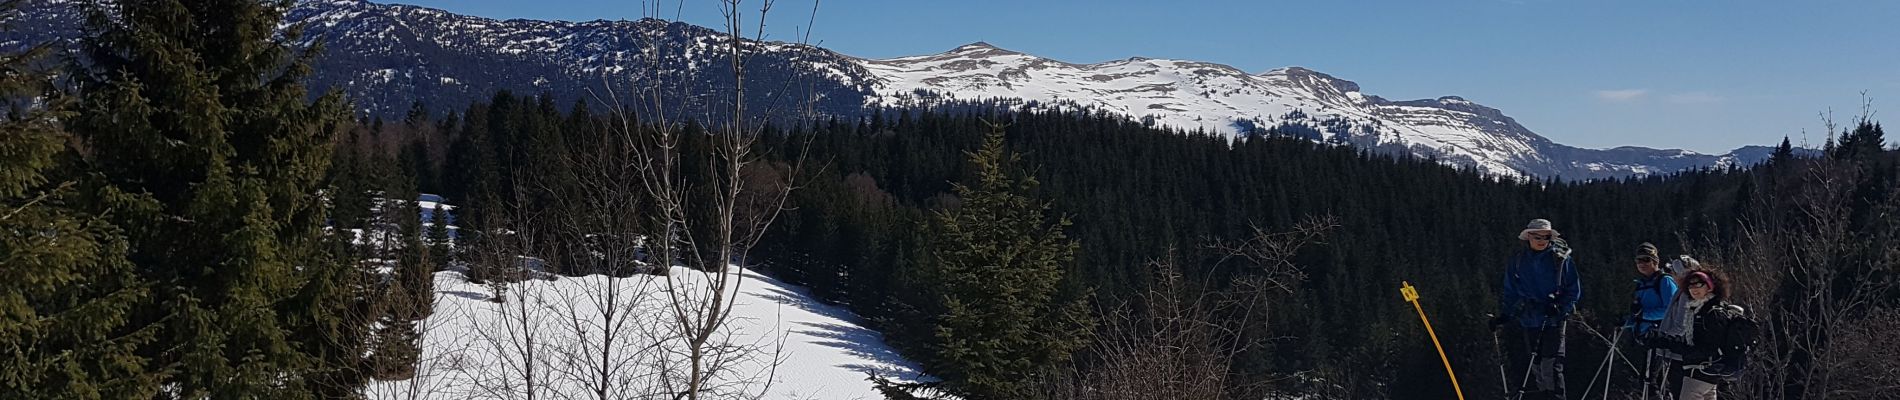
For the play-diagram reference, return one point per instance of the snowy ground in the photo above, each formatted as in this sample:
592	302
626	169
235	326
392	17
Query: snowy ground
780	344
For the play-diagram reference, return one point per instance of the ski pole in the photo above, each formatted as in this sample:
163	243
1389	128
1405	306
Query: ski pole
1504	380
1609	367
1536	347
1411	295
1599	371
1649	362
1599	335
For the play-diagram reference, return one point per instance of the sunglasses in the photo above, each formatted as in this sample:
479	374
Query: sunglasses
1540	237
1698	285
1645	261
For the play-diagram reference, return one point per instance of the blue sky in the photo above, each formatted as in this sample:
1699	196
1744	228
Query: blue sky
1701	75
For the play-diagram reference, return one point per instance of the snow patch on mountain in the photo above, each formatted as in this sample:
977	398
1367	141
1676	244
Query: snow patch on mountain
1193	95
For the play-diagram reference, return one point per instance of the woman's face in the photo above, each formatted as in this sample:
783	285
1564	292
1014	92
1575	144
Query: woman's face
1699	290
1646	266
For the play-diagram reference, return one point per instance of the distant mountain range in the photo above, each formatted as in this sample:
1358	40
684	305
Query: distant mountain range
386	56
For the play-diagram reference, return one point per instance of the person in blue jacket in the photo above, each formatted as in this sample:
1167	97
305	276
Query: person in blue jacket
1655	289
1540	291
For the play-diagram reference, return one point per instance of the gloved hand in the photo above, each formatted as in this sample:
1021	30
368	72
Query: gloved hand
1498	321
1676	344
1655	340
1718	368
1551	309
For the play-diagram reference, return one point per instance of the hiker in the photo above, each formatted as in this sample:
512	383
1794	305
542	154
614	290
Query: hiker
1540	291
1655	290
1677	321
1714	349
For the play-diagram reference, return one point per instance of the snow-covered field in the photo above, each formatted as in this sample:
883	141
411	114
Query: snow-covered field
579	337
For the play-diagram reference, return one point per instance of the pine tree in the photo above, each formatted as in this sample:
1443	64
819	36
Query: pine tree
418	114
210	156
999	264
65	309
414	159
350	183
1783	153
441	250
409	290
1867	139
475	176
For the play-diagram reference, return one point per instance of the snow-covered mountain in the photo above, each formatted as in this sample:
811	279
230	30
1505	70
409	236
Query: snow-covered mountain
386	56
1193	95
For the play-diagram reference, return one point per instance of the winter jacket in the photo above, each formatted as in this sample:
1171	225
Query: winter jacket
1718	352
1540	287
1651	304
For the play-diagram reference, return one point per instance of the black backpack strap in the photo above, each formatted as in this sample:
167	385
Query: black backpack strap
1659	285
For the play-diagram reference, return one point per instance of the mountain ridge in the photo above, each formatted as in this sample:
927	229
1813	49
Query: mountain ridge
386	56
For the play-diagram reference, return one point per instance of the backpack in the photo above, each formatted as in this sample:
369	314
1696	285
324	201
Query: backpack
1682	263
1636	305
1659	285
1741	333
1561	250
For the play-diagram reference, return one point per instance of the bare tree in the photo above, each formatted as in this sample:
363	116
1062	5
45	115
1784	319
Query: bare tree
705	225
512	334
553	336
1819	284
604	349
1180	339
599	345
645	193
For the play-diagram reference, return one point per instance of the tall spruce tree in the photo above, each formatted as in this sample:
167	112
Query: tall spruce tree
350	182
409	291
1865	140
210	156
1783	153
999	263
66	304
441	243
475	176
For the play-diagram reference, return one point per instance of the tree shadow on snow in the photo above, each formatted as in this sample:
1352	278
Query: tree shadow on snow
858	342
465	294
863	344
803	301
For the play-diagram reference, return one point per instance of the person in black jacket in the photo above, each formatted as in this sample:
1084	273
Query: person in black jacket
1715	351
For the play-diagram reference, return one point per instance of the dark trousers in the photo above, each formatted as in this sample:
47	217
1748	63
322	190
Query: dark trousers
1547	375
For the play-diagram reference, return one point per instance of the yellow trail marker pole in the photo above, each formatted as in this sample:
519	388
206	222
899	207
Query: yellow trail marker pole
1411	295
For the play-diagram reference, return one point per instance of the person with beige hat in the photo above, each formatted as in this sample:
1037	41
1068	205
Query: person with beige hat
1540	292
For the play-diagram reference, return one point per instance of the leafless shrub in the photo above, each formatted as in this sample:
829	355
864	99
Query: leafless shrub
1179	339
